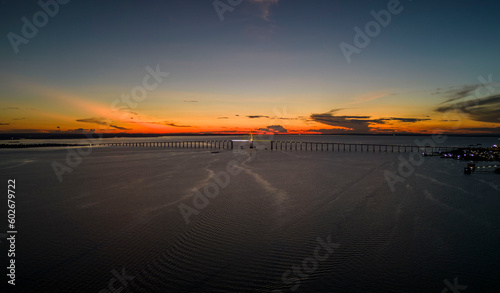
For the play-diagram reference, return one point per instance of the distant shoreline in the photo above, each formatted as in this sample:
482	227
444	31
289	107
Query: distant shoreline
27	136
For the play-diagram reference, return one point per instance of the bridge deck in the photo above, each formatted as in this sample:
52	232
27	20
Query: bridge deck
274	145
353	147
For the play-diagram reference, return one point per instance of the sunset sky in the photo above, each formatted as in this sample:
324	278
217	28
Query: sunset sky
262	65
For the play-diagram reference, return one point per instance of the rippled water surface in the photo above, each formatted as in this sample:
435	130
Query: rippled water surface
257	223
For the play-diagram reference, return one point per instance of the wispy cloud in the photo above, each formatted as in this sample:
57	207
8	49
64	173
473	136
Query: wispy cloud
371	96
460	92
265	7
190	101
406	120
482	110
99	121
456	93
257	116
168	123
176	125
120	128
289	118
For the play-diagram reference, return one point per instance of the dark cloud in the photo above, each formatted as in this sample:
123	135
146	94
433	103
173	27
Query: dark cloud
81	130
223	118
286	118
175	125
191	101
78	130
19	118
277	128
10	108
257	116
99	121
358	124
407	120
118	127
483	110
354	123
4	123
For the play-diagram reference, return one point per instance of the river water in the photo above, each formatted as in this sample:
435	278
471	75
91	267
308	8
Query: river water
252	220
